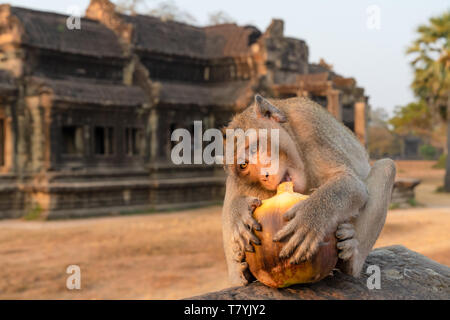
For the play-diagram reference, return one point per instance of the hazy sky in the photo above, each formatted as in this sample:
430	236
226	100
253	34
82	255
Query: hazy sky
334	30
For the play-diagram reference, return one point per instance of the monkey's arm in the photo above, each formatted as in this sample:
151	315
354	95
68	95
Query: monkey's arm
237	226
336	201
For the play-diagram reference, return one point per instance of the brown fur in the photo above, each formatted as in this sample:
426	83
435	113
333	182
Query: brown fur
323	155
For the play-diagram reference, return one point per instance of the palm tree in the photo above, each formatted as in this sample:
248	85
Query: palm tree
431	63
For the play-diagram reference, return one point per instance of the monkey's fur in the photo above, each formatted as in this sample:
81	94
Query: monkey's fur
317	153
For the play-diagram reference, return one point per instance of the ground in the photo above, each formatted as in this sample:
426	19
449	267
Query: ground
174	255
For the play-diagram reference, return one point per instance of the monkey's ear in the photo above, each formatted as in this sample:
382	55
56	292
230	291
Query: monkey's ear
264	108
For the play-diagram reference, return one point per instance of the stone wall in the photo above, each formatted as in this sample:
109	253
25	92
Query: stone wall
403	194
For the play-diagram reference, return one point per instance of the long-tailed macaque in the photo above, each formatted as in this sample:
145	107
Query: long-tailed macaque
322	158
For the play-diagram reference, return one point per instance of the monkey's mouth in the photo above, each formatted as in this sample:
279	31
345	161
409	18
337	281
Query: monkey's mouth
286	177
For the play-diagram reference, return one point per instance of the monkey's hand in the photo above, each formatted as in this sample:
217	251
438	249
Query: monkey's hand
306	229
242	236
347	244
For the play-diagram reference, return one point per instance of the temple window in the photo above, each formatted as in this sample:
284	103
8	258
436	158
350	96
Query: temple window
348	116
232	72
72	138
172	128
104	140
133	139
206	74
320	99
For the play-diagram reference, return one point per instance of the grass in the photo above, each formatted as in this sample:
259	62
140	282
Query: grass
440	164
440	189
413	202
34	214
394	206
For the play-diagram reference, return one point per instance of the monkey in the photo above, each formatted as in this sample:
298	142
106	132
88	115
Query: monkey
322	158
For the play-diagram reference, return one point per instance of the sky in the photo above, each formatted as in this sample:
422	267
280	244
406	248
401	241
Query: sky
363	39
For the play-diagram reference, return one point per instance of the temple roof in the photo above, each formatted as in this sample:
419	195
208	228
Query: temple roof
174	38
77	91
324	73
344	82
153	34
228	95
314	68
313	77
230	40
48	30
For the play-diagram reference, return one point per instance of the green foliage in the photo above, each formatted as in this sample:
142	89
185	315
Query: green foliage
428	152
440	164
441	189
412	202
414	118
431	64
34	213
394	206
382	143
431	61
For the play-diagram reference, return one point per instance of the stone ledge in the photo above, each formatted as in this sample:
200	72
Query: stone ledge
405	274
406	183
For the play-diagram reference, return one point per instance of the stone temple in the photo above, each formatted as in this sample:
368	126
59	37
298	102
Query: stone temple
86	114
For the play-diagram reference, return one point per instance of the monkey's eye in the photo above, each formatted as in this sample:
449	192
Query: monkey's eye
244	165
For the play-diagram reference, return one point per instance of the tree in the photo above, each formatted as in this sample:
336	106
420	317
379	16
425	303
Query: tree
131	7
413	118
428	152
383	142
166	10
379	117
219	17
431	64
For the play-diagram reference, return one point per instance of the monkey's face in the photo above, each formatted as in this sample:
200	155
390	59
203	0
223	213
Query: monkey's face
260	168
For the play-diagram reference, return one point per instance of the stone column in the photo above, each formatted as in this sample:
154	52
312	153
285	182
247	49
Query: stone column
333	103
7	135
38	143
152	134
360	122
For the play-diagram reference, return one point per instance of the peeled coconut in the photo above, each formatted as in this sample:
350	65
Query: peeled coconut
265	263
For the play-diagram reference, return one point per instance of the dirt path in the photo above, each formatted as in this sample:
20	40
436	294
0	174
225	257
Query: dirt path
163	256
430	179
158	256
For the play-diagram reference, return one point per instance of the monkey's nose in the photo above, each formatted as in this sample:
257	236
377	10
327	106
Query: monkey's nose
265	177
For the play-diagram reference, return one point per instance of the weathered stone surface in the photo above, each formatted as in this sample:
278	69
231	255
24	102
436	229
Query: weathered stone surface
405	274
403	194
406	183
